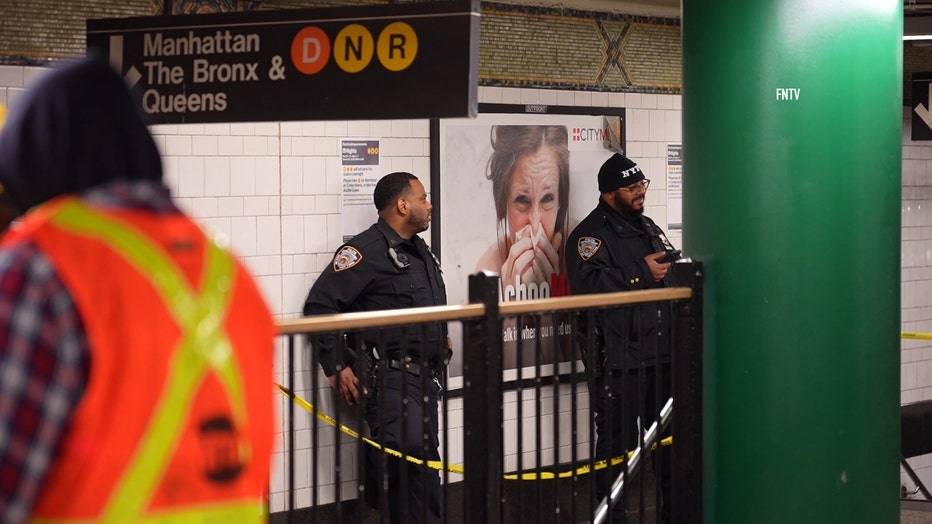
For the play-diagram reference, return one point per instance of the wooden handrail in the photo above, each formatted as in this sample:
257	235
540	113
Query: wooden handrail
371	319
617	298
398	317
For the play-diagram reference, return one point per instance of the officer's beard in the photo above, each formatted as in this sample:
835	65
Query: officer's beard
628	210
419	225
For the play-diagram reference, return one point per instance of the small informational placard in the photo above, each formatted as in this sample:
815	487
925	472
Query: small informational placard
361	171
675	186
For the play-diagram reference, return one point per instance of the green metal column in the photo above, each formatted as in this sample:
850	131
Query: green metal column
792	124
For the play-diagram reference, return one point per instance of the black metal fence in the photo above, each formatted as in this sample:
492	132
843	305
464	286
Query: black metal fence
915	441
517	429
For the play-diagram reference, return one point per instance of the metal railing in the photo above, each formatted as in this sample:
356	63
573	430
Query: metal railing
517	445
915	434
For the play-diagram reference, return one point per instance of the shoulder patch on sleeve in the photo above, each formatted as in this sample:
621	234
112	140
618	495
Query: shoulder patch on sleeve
588	246
346	257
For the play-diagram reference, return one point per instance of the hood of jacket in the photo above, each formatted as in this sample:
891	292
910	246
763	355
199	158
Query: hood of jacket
78	127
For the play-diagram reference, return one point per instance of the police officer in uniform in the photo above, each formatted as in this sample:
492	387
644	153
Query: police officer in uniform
389	266
617	248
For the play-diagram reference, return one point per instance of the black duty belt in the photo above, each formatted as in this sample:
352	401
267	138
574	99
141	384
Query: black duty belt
411	367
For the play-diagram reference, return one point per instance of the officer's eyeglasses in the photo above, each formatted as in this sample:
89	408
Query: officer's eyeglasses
637	187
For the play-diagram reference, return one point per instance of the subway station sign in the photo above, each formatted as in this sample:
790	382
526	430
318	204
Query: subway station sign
347	63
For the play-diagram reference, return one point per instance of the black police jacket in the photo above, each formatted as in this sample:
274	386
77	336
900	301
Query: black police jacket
379	270
605	253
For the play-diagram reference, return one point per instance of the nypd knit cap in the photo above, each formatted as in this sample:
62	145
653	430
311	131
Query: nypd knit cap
618	171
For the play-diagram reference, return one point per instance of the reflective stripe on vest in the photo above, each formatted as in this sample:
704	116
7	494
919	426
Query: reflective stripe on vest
204	347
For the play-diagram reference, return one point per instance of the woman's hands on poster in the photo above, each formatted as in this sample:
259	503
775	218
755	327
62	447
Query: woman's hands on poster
533	256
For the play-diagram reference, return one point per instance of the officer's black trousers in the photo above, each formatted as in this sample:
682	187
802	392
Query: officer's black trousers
618	399
413	490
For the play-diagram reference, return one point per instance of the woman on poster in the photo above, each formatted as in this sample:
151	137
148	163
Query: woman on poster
529	169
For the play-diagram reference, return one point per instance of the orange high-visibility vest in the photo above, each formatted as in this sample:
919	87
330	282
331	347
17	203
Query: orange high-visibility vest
176	422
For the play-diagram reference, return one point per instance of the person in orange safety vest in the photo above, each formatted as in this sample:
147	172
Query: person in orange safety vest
136	354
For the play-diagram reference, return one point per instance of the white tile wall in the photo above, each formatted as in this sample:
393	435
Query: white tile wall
310	230
916	281
273	191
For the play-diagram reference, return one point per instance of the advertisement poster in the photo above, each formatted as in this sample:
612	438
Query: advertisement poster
361	171
514	185
675	186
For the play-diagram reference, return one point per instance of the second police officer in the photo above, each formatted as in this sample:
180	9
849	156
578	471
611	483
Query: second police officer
617	248
389	266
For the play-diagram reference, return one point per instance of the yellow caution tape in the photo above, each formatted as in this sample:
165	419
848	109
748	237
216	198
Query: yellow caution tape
917	336
582	470
435	464
458	468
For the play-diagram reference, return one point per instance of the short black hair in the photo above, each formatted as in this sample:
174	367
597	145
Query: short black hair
390	188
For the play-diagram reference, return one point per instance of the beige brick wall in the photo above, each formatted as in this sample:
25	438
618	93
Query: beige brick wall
519	46
33	32
915	59
523	46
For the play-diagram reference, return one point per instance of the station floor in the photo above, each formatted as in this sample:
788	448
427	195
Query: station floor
916	512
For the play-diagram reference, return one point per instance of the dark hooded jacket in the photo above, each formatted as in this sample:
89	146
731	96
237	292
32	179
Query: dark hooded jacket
77	128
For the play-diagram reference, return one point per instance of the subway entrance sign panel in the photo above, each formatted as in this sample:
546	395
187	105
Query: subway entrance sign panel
347	63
